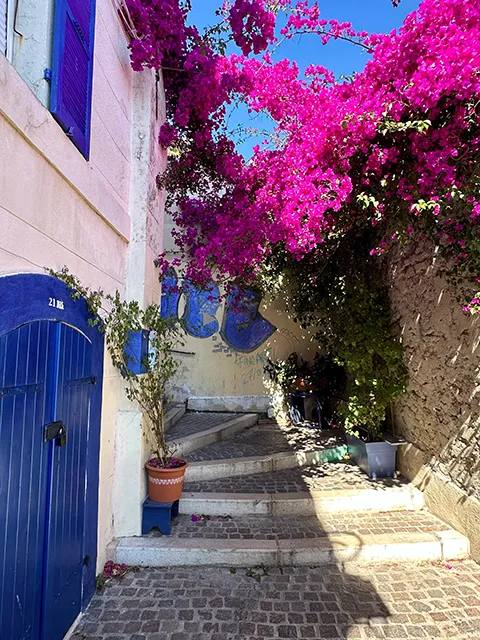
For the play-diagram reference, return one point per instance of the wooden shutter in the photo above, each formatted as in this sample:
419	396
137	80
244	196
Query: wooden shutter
72	69
3	26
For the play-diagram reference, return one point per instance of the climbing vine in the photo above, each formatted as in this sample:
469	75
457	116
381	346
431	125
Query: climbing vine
146	375
397	145
380	158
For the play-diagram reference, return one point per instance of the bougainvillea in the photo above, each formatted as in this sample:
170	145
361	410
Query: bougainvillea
396	146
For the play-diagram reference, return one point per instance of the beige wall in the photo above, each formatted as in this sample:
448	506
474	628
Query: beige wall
213	368
209	367
102	218
440	413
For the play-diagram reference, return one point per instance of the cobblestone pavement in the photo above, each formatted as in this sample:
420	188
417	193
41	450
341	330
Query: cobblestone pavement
285	528
193	422
325	477
263	441
386	601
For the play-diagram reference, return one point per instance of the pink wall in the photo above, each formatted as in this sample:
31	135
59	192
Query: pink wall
102	218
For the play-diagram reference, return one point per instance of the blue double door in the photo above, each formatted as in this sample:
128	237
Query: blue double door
46	386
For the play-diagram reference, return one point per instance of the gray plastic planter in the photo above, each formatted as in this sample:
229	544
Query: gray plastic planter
377	459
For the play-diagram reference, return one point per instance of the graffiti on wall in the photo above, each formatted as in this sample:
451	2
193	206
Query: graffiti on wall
251	367
243	328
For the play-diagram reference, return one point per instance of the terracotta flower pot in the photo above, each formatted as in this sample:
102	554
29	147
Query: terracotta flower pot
300	384
165	485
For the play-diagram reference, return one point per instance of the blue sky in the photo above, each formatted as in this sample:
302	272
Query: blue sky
374	16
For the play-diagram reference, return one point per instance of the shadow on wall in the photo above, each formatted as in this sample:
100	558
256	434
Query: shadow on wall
440	413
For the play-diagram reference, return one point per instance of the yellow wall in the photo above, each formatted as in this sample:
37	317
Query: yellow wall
210	367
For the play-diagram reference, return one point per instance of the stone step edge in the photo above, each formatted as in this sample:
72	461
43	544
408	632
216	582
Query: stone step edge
336	548
186	444
237	404
174	415
315	502
249	465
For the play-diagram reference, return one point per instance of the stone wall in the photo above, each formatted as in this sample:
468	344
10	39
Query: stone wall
440	413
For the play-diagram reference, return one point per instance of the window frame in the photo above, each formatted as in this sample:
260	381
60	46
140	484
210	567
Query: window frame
11	10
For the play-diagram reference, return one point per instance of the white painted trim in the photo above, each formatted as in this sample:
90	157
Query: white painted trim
165	481
443	498
313	503
234	467
174	415
183	446
10	25
234	404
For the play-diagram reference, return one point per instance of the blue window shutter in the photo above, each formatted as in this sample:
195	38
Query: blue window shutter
72	69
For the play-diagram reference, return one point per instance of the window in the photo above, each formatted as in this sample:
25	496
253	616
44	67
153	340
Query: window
72	69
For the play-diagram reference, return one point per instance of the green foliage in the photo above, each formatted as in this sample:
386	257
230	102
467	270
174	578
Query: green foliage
117	319
323	373
284	372
342	293
357	330
100	582
393	126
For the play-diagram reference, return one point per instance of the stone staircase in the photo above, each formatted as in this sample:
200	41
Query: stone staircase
271	495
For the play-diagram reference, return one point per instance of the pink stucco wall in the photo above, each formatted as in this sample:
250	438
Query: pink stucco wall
58	209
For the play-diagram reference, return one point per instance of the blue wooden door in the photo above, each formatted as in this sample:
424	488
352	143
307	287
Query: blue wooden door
45	376
23	478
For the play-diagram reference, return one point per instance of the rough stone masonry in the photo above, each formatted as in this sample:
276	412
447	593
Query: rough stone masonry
440	413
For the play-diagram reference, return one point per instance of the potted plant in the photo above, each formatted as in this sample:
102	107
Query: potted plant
341	294
140	343
376	377
369	449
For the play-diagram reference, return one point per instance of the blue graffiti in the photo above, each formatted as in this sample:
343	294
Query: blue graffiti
170	295
243	327
201	305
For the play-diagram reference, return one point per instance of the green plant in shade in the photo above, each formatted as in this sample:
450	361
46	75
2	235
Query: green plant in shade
284	373
342	294
323	373
358	331
119	320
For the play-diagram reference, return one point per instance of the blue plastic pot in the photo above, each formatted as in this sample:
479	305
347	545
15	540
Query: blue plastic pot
377	459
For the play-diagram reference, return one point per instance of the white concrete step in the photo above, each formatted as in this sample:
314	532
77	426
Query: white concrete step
395	537
226	429
174	415
302	503
236	404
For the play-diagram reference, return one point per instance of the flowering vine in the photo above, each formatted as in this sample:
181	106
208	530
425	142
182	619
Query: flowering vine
396	147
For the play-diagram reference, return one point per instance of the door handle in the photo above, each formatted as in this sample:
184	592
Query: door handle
56	431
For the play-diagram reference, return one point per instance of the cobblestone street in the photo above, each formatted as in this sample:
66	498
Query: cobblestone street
265	440
344	475
285	528
372	601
